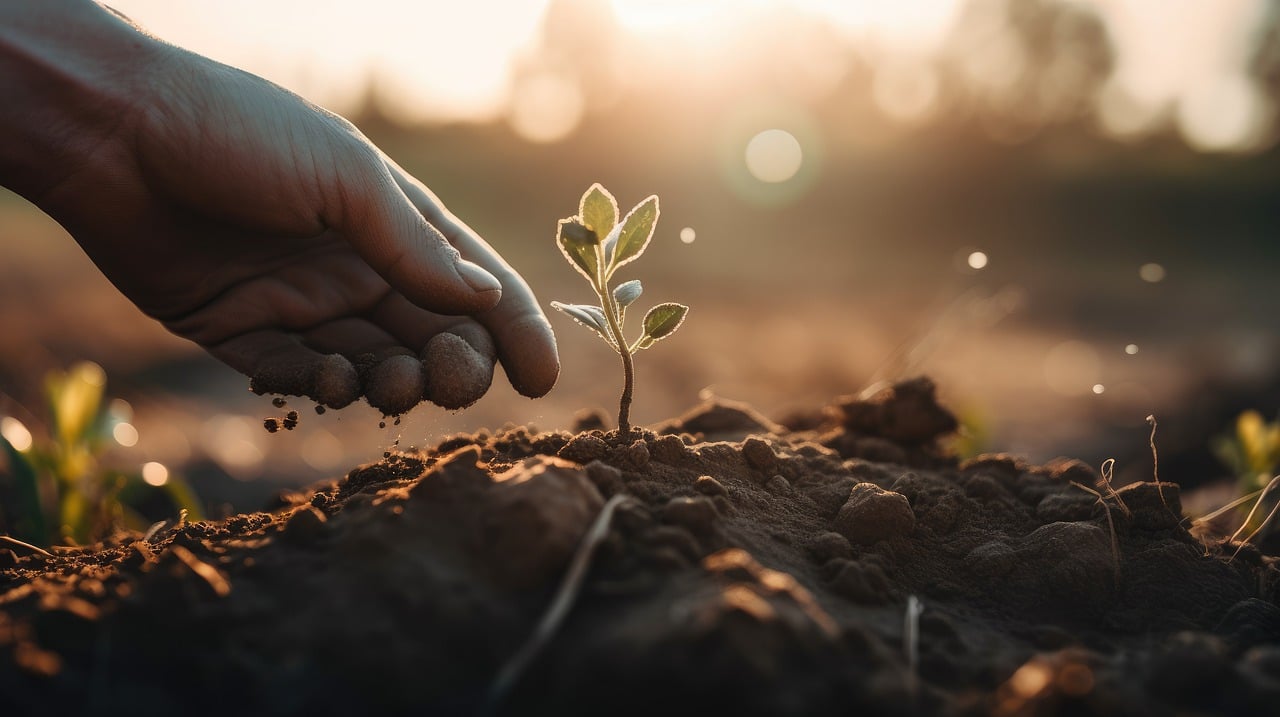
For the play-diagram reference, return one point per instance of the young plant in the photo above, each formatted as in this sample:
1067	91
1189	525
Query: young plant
597	244
1253	454
59	488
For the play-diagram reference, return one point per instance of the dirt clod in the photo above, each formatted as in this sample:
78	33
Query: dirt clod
271	424
708	485
697	513
759	454
873	514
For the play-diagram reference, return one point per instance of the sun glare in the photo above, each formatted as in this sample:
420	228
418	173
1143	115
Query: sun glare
649	15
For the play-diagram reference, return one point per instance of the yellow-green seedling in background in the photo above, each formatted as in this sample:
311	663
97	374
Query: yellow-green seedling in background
57	488
597	244
1252	452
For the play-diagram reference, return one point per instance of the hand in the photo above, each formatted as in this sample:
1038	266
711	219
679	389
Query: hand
274	234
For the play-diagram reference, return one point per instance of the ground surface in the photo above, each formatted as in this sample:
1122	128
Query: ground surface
753	569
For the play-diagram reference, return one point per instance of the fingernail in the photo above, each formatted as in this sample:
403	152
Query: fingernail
477	278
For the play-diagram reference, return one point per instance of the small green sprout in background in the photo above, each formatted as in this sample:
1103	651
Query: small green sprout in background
57	488
597	244
1252	452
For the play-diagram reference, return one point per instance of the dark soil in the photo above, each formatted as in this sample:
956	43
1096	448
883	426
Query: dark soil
755	569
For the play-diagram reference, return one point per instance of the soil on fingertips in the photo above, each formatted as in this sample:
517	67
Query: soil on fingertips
753	569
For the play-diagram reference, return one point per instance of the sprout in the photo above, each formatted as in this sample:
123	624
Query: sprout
597	244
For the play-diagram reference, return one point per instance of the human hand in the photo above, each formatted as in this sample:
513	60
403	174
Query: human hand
276	236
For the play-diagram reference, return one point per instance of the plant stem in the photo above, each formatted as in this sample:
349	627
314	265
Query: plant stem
628	370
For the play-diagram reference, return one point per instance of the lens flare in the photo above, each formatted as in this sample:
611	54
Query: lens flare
774	156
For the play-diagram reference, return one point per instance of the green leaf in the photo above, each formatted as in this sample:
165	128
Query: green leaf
636	231
662	321
578	244
599	210
591	317
627	292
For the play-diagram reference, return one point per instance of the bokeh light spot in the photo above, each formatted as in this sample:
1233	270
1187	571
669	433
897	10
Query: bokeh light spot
15	433
546	108
687	235
1099	389
1151	273
155	474
125	434
1131	349
774	156
977	260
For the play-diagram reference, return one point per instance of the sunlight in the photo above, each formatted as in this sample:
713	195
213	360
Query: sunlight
651	15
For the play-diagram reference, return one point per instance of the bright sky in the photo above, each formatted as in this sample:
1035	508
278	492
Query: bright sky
453	59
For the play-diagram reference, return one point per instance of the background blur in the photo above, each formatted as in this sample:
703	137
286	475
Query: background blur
1065	211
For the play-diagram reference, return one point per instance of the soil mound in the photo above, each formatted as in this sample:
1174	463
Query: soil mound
751	569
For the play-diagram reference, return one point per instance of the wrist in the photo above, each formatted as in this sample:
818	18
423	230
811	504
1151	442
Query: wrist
72	73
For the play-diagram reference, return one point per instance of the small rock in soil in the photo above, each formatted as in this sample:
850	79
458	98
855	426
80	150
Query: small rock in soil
708	485
759	454
279	402
873	514
697	513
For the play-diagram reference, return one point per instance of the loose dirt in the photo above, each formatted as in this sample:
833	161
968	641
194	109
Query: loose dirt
753	569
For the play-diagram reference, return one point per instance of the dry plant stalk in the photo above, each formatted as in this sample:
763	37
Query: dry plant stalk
559	607
1108	467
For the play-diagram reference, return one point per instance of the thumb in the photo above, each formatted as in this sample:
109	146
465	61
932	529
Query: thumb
367	206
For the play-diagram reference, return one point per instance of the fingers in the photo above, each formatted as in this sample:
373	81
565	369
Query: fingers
458	355
339	361
365	203
524	341
279	363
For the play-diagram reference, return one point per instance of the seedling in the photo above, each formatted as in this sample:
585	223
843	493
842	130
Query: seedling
597	245
60	489
1253	453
